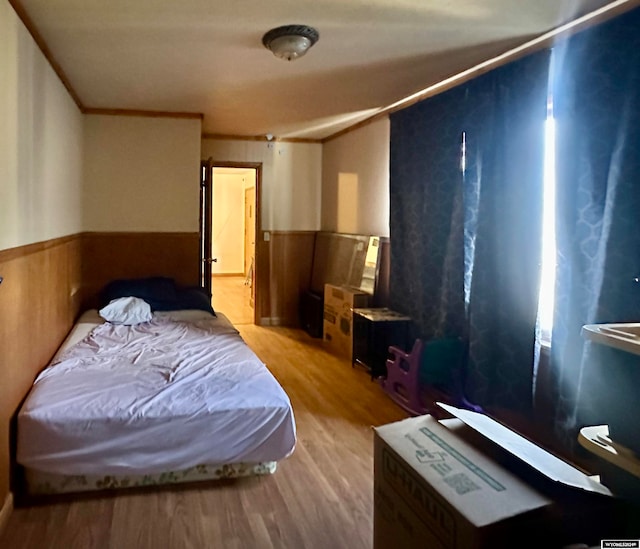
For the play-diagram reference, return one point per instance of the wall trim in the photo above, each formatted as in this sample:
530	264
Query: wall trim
545	40
35	247
384	113
5	511
28	249
272	321
294	232
142	113
37	38
145	233
224	137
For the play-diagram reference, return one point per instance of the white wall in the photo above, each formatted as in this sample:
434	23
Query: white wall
40	143
141	174
355	178
291	179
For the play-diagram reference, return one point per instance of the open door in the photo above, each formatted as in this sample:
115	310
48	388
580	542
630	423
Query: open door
206	201
248	258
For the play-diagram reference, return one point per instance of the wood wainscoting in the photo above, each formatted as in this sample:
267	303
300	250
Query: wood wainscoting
39	301
47	284
283	272
107	256
284	265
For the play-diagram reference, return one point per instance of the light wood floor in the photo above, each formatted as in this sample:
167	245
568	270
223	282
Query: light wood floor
320	497
231	296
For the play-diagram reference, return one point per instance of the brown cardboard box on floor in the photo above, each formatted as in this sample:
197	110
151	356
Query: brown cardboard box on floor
444	485
339	303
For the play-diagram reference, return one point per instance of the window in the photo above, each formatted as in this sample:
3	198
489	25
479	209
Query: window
547	282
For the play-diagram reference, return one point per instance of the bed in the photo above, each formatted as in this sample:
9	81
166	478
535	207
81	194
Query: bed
177	398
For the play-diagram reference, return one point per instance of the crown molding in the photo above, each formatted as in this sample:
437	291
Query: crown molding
37	37
225	137
143	113
543	41
546	40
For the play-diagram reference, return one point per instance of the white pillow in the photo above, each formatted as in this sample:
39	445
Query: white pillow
127	310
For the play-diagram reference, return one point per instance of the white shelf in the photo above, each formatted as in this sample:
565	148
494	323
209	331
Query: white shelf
622	336
596	440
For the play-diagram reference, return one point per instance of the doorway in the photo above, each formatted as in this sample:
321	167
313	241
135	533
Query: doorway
229	225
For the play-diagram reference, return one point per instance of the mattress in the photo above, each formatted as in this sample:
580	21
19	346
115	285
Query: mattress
170	394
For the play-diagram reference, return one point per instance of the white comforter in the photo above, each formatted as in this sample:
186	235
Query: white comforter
159	396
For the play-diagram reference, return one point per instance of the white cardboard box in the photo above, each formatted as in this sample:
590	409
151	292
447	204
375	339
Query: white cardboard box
337	326
440	486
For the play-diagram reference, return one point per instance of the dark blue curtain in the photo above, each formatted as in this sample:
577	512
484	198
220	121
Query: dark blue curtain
465	229
426	221
597	109
504	198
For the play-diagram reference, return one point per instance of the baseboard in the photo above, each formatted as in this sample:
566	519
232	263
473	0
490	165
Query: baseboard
5	512
272	321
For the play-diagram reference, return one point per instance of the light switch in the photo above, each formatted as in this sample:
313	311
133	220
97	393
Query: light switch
267	236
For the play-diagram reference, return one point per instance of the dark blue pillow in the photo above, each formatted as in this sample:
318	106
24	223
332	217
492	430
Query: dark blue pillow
194	298
161	293
157	291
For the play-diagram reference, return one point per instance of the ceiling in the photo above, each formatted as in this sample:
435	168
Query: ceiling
206	56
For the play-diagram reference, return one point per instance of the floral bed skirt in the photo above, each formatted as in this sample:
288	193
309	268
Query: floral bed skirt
40	483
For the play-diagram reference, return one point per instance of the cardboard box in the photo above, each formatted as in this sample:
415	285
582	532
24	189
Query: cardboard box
443	485
337	325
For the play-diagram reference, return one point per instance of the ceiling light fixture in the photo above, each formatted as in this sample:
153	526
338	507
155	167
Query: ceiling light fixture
290	41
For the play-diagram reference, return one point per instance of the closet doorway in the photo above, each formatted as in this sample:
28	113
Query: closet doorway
229	209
